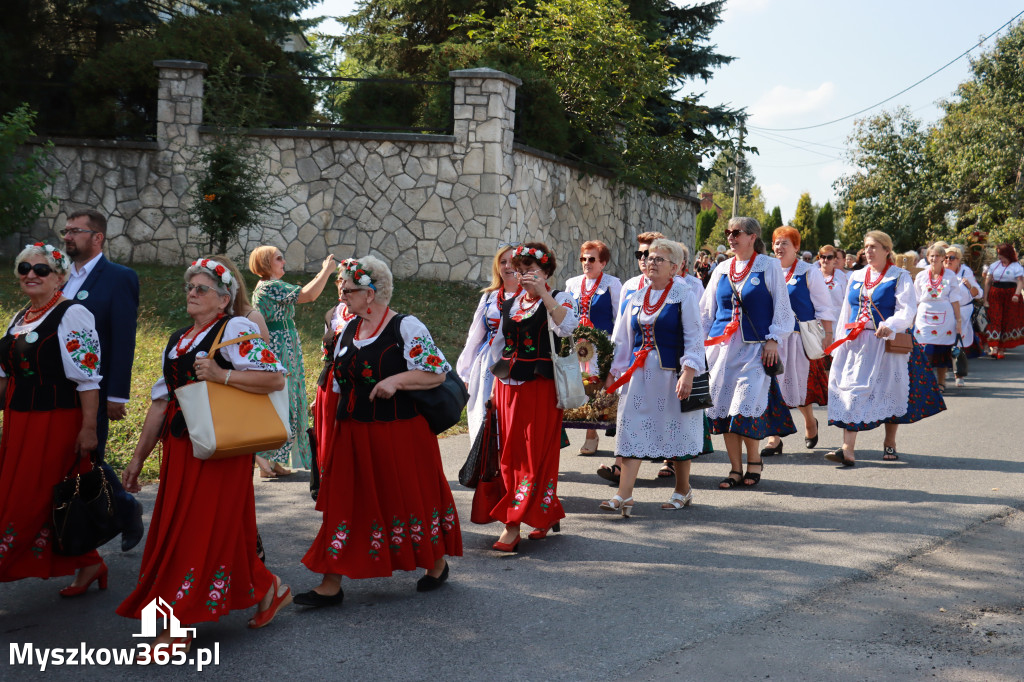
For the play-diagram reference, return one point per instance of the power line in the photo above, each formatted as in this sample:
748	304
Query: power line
906	89
780	139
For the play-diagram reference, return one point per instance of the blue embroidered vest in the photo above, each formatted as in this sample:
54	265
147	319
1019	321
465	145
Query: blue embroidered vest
601	312
668	334
800	299
756	299
883	299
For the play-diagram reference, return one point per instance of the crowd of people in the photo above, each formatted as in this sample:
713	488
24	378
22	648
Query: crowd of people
731	349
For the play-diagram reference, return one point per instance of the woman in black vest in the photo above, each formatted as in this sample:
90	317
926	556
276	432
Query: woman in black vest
383	492
49	384
201	550
524	395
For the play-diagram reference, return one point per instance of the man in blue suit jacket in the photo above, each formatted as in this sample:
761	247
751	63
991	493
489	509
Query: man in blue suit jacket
111	293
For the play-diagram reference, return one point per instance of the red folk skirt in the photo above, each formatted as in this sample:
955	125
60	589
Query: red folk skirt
37	449
817	382
531	427
323	423
1005	319
200	552
386	501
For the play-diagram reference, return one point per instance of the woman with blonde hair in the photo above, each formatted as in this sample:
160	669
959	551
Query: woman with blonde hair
938	322
474	363
869	386
276	300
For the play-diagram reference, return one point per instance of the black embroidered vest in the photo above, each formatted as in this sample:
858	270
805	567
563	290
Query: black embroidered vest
527	351
358	370
180	371
36	380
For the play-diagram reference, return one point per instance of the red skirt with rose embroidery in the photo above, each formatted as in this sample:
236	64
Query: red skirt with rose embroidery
386	502
531	428
200	552
36	450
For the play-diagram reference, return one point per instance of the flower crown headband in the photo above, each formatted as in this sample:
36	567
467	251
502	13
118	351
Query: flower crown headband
217	268
535	254
62	260
360	274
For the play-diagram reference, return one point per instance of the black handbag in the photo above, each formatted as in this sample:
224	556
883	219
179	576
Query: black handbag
314	471
442	406
700	394
482	463
84	512
959	358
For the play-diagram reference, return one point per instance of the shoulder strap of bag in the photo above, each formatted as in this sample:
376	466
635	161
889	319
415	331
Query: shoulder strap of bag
743	307
217	344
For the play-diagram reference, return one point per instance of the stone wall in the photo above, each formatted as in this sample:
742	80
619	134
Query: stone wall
434	206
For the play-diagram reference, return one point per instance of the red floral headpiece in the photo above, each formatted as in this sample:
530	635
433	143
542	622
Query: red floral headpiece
218	269
533	253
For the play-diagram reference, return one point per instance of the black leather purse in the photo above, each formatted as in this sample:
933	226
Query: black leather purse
84	512
442	406
700	394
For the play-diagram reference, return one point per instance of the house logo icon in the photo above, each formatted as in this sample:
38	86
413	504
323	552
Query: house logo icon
157	610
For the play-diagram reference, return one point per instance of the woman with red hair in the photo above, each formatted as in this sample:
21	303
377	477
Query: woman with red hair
597	295
803	381
1004	283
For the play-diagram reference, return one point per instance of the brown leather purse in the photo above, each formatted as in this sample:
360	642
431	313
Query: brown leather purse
902	343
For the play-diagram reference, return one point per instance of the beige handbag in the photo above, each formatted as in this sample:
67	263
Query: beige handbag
224	421
568	378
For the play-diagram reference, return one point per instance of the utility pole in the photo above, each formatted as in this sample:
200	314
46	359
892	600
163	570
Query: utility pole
736	176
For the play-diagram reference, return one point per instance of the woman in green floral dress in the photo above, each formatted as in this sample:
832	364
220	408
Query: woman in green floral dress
276	299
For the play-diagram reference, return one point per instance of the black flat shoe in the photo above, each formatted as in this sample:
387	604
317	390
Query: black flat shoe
429	583
772	452
837	456
811	442
312	598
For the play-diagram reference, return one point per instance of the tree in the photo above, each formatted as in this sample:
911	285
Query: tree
892	188
773	220
705	223
722	174
979	143
804	223
600	77
22	182
825	224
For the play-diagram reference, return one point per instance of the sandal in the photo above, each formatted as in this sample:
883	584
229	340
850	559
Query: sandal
617	504
889	454
729	482
666	471
838	456
752	476
610	473
589	446
678	501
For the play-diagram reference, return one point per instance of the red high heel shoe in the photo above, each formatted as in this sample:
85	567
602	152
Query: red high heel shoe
541	533
101	576
507	546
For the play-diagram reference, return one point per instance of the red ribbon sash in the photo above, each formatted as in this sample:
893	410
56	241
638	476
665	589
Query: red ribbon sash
640	357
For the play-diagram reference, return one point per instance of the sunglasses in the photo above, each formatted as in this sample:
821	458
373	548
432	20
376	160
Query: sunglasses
952	257
729	234
640	255
203	289
41	269
587	259
823	257
349	292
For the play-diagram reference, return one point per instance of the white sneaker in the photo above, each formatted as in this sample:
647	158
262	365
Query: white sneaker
959	383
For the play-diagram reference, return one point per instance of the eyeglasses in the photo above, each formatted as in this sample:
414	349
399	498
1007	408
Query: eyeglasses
656	260
825	257
41	269
349	292
77	230
729	234
587	259
203	289
640	255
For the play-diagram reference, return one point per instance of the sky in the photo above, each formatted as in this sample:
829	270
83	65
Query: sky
803	63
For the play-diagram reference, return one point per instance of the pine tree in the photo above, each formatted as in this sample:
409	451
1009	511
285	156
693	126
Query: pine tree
774	220
826	225
804	223
705	223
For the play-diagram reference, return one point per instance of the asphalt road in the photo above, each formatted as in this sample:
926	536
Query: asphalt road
898	571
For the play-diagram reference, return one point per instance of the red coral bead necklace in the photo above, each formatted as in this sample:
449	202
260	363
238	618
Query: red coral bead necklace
184	337
33	314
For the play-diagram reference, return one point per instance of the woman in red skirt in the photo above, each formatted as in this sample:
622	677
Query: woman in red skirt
1004	283
326	403
49	383
383	492
528	420
201	550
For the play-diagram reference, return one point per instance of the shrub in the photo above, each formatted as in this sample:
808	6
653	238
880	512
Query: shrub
22	181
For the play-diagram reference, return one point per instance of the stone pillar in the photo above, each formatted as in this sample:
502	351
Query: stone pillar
484	117
179	115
